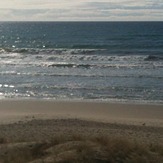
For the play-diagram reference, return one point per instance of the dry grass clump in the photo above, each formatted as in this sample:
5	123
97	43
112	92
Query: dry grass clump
3	140
82	149
21	152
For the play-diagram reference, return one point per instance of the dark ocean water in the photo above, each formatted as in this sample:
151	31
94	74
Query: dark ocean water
112	61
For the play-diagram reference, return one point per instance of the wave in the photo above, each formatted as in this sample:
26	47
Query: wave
94	90
153	58
82	46
74	54
71	65
100	57
15	50
76	58
34	74
49	51
20	63
101	65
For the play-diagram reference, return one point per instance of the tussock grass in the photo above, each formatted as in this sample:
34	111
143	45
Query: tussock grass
82	149
3	140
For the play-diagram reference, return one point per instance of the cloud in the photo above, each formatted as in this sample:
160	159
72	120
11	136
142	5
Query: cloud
127	5
96	10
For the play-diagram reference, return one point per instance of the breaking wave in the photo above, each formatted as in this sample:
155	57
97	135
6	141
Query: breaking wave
60	51
153	58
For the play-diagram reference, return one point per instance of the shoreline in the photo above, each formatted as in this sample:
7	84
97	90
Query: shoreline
114	101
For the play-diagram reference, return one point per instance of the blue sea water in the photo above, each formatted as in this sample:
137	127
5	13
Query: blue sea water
108	61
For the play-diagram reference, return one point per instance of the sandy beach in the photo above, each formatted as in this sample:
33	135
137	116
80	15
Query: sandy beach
69	114
138	114
40	120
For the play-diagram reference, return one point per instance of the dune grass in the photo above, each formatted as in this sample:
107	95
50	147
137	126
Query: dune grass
81	149
3	140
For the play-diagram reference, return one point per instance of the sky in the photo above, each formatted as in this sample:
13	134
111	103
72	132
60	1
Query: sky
81	10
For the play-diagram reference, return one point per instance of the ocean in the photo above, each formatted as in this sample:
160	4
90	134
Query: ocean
105	61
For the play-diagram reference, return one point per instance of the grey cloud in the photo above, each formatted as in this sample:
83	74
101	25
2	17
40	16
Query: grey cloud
124	10
27	12
113	5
